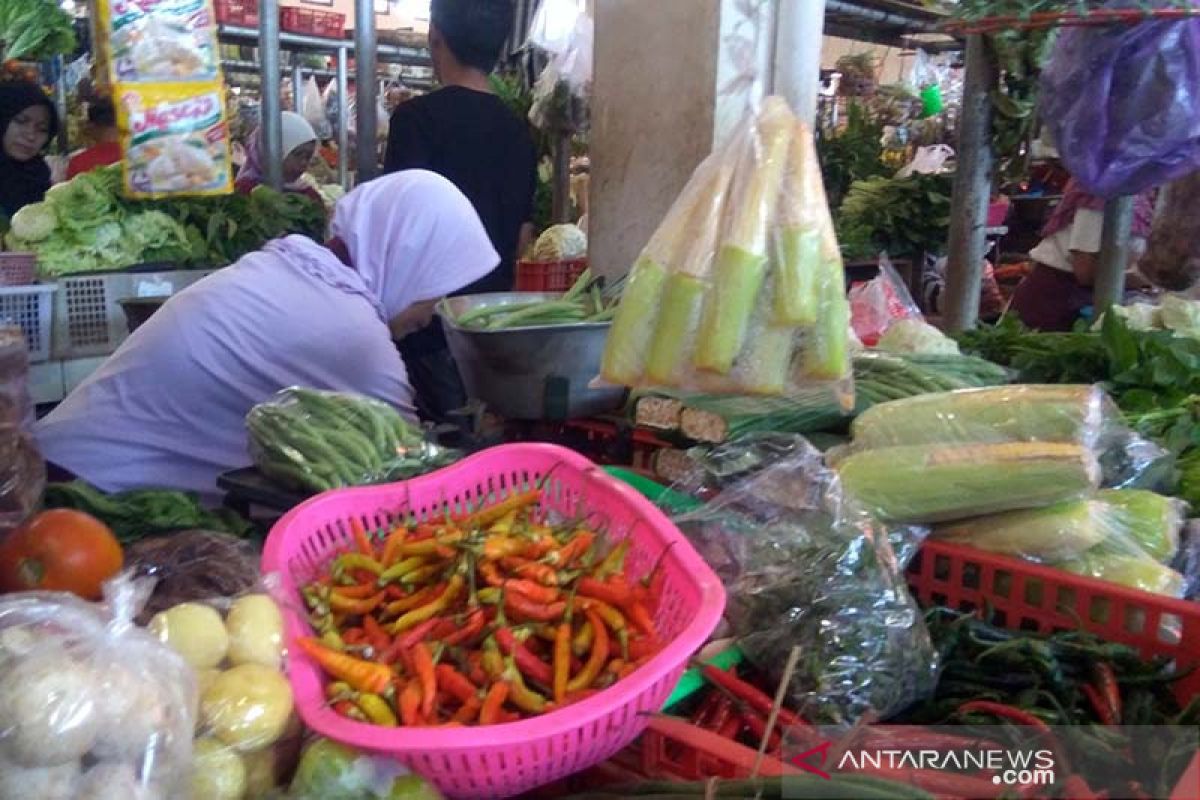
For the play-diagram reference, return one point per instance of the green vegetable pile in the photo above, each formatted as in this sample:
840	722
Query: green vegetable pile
312	440
1154	376
86	225
137	514
34	30
904	217
583	302
853	153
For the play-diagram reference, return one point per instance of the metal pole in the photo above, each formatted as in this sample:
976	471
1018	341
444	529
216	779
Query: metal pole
60	103
797	55
271	107
364	89
297	84
1109	287
561	195
343	132
972	190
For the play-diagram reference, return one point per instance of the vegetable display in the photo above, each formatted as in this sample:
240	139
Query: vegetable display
330	771
560	243
59	551
86	224
904	217
477	619
138	513
741	288
34	30
582	303
313	440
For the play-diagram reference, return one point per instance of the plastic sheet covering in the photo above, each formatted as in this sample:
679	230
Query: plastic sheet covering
90	705
1123	102
315	440
741	289
805	566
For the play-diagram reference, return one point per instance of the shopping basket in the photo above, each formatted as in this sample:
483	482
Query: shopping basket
504	760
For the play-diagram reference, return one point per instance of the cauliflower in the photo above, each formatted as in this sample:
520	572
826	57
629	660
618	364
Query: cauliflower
34	222
48	710
560	243
1180	315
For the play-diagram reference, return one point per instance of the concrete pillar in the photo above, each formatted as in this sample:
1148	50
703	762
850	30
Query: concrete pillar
671	79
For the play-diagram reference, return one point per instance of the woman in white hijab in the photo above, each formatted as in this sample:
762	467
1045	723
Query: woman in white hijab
168	408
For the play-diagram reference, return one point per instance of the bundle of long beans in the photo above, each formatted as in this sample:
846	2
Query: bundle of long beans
584	302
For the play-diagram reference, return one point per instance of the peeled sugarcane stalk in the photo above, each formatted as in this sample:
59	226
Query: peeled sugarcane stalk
672	465
826	351
741	262
659	413
798	242
626	352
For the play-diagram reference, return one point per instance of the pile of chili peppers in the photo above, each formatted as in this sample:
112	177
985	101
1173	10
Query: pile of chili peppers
481	618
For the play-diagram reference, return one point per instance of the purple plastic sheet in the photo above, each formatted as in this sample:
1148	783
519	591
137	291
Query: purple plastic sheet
1123	102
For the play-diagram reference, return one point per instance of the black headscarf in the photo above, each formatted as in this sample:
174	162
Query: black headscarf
22	182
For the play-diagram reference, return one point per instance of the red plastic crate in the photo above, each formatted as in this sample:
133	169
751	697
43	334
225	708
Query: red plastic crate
1027	596
313	22
549	276
238	12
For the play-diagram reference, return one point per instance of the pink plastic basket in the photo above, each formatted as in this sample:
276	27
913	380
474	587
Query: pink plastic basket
504	760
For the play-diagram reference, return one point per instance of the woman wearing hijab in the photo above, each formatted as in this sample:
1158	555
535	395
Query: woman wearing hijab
299	146
28	122
1060	285
168	408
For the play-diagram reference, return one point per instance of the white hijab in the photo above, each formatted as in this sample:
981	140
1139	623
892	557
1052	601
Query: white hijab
412	236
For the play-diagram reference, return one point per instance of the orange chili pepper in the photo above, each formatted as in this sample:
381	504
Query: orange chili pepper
636	613
532	570
377	637
413	600
489	711
468	711
455	683
364	676
644	647
491	573
361	538
494	513
562	660
356	591
431	609
423	664
410	703
391	546
354	636
596	659
540	546
575	548
499	545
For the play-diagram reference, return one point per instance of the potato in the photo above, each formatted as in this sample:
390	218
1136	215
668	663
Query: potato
134	716
42	783
255	631
217	772
48	709
194	631
247	707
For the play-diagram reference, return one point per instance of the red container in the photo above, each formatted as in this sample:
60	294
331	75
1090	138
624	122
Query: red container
549	276
17	269
1028	596
243	13
312	22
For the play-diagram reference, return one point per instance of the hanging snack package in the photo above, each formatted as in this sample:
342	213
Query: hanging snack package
91	706
741	289
161	63
175	140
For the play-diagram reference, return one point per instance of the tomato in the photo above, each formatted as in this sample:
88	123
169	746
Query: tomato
60	550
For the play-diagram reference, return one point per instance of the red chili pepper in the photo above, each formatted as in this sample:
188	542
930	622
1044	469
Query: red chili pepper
455	683
1099	704
468	712
534	592
655	581
644	647
410	703
491	573
376	635
530	610
532	570
1004	711
423	665
579	544
357	591
1110	691
470	628
615	594
527	662
489	713
750	694
636	613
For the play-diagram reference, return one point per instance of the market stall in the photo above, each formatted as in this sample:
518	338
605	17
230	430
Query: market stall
832	550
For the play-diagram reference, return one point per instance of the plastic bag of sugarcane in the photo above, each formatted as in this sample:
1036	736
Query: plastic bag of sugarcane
741	289
316	440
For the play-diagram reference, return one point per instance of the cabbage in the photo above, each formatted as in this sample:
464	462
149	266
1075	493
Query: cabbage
915	336
560	243
1178	314
34	222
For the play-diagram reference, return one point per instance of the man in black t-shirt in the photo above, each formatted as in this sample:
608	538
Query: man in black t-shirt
465	133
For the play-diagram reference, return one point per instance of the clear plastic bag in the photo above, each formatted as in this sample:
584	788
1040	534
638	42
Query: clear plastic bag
561	92
312	108
192	565
22	469
316	440
877	303
247	734
1122	102
1172	257
741	288
804	566
90	705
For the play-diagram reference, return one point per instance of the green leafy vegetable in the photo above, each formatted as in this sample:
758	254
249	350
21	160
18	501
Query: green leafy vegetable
903	216
34	30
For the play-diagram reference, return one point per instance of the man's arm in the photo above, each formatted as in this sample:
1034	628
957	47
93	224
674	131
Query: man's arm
407	146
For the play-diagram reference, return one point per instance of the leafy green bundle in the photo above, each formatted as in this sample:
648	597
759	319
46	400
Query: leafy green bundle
33	30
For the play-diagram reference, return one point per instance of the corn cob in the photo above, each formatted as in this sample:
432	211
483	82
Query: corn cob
1000	414
1144	523
919	483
